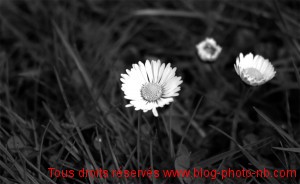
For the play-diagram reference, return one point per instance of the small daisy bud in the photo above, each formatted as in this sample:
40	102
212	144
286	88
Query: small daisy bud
208	50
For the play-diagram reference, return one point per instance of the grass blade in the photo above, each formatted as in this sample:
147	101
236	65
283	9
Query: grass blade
214	159
115	161
130	156
277	128
255	162
75	58
41	148
85	145
187	128
296	72
6	168
151	162
295	150
37	170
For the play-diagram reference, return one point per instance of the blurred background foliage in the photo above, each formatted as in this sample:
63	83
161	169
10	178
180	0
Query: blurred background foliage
86	45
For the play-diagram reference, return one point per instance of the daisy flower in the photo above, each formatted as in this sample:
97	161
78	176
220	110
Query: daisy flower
150	85
254	71
208	50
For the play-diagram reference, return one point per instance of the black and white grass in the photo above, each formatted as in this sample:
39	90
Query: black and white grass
63	105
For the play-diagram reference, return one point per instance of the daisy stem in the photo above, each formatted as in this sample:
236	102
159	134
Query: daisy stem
247	91
172	151
188	126
151	161
139	142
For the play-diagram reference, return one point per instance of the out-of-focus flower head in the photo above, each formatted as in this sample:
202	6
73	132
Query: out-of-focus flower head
208	50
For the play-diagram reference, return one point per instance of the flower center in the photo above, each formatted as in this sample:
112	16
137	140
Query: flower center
253	72
151	92
210	49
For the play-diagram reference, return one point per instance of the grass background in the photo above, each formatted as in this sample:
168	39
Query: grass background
61	105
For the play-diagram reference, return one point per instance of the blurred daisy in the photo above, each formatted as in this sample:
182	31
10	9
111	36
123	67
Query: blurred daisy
150	85
208	50
254	70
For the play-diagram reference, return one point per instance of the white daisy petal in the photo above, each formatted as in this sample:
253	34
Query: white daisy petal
150	85
171	75
154	67
149	70
166	101
155	113
237	69
254	70
166	73
172	92
141	69
172	84
264	66
160	72
138	74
